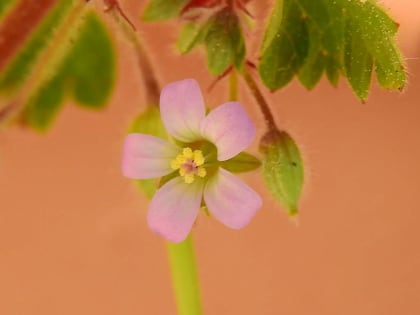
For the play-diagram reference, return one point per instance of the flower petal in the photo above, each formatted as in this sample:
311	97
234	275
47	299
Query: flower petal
229	128
146	156
182	109
174	209
230	200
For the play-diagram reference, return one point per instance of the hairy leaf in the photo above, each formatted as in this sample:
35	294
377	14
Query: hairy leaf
224	42
306	38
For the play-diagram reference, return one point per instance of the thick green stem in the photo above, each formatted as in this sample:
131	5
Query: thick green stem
184	277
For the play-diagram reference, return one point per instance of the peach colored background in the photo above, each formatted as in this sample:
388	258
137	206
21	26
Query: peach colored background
73	235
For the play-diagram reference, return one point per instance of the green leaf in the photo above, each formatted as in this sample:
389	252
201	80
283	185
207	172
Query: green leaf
86	73
350	37
285	45
149	122
358	64
243	162
191	35
224	42
158	10
282	168
68	54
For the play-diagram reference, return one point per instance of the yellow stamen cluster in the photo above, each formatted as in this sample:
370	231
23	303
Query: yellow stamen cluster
189	163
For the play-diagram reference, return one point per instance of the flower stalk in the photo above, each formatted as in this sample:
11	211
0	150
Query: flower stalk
262	103
184	277
181	255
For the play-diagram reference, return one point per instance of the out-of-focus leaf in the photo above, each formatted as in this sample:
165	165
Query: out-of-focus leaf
307	38
224	42
149	122
243	162
86	74
4	5
282	168
26	58
158	10
68	54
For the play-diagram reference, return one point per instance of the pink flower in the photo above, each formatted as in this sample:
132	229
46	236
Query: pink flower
201	142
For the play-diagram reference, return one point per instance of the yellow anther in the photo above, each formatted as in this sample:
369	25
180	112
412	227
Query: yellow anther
189	178
189	163
198	157
181	159
201	172
187	153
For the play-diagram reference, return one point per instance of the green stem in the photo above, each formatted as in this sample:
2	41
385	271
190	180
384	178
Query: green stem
181	256
184	277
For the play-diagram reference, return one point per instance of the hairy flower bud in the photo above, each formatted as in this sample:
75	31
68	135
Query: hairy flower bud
282	168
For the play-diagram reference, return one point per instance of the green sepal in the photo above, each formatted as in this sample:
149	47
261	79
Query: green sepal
159	10
282	168
149	122
163	180
243	162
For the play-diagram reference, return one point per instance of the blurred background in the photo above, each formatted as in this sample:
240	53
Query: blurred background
73	232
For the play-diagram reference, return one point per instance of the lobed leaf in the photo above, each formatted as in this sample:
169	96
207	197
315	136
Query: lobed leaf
307	38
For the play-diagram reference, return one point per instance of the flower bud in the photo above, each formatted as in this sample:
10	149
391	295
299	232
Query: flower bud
282	168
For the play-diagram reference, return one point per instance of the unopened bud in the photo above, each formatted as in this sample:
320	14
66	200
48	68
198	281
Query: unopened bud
282	168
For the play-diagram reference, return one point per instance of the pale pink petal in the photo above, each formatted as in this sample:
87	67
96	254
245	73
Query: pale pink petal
145	156
229	128
174	209
230	200
182	109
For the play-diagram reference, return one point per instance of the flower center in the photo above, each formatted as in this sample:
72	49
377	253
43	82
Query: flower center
189	163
